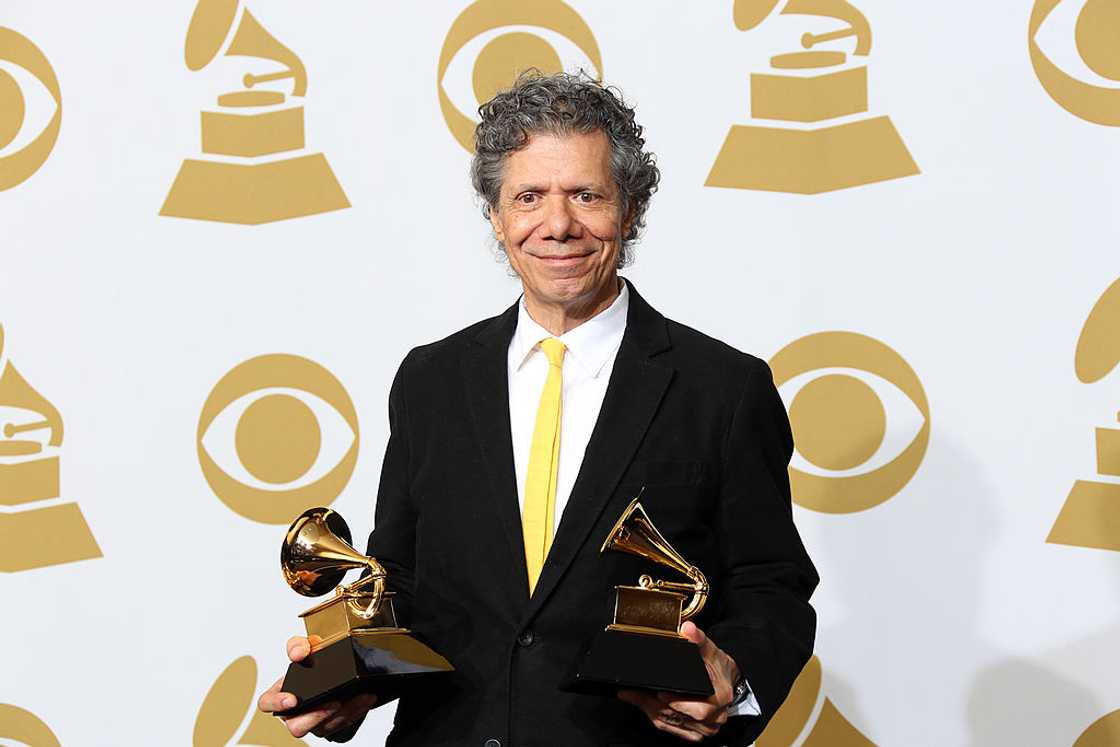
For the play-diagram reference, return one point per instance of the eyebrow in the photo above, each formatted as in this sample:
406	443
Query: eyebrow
580	187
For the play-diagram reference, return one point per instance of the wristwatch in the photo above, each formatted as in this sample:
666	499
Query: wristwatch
739	693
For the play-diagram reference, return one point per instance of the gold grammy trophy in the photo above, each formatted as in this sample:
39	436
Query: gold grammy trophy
804	139
36	528
1091	514
356	643
257	175
643	648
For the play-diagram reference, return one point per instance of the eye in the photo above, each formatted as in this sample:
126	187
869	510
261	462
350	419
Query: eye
860	420
30	108
492	41
277	435
587	197
1075	56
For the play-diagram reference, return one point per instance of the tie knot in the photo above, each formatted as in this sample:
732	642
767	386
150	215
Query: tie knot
554	350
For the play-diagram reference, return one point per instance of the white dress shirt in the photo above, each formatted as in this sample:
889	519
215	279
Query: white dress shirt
588	361
591	349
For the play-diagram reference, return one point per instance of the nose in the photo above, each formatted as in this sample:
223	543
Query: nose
559	222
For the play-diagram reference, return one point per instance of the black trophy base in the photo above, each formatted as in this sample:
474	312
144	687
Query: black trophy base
381	662
618	660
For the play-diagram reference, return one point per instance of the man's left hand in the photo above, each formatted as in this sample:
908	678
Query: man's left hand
692	719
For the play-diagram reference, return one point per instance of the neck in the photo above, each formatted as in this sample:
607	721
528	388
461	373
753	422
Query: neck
561	318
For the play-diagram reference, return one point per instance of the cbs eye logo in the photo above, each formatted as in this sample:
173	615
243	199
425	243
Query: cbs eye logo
25	143
1089	90
277	435
1101	733
25	727
226	707
860	420
808	709
504	39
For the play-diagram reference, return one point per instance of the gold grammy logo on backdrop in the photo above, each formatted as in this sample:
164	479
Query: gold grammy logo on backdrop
841	382
256	171
1104	732
796	716
52	532
227	706
1097	36
25	160
277	435
1091	514
803	138
25	727
506	54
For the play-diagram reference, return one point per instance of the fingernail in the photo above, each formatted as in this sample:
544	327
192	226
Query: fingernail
289	701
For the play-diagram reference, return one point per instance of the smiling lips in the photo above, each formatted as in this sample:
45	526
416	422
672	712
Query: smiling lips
561	258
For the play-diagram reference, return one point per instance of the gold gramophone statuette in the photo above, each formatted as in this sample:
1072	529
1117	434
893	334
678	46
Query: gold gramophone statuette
357	645
643	648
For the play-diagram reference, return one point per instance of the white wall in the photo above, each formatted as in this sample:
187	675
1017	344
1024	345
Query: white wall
945	617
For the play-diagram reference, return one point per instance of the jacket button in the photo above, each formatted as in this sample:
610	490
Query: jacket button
491	743
525	639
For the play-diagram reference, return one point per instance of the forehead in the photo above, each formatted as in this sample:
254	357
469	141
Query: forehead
563	159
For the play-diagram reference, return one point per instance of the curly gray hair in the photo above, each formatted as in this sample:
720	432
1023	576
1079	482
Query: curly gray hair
562	104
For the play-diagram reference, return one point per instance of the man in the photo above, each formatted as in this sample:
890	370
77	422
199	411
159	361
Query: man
490	530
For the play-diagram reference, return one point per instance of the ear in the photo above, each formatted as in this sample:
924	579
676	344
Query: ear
628	221
496	224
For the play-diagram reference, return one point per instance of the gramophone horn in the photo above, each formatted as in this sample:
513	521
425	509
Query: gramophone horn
252	40
317	553
635	534
209	27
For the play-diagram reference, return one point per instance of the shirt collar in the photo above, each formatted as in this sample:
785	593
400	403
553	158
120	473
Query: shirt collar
591	345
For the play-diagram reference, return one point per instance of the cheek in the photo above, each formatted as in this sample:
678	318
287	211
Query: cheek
517	229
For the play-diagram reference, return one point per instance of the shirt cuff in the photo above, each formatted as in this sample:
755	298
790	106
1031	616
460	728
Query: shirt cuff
746	704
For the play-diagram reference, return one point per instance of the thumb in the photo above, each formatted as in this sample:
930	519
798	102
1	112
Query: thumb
694	634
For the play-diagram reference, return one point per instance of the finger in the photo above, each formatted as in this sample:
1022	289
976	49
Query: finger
665	718
690	631
690	714
677	731
300	725
272	700
351	711
700	710
697	711
298	648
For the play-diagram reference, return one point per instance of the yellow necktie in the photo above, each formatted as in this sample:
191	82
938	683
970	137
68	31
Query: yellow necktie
544	460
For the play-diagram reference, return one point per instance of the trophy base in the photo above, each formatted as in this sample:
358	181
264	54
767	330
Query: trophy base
618	660
1090	517
255	193
812	161
380	661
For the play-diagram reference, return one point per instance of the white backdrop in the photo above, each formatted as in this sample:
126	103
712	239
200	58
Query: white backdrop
945	616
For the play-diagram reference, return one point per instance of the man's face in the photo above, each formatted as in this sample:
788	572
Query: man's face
559	217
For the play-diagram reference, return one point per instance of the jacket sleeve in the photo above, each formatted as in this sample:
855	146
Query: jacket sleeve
392	541
765	622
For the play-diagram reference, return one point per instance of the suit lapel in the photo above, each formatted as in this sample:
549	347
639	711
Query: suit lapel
487	383
633	395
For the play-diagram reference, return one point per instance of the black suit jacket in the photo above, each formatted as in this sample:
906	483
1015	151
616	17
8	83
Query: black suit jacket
697	423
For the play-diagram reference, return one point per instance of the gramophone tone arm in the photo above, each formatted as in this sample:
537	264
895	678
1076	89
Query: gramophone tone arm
699	589
376	578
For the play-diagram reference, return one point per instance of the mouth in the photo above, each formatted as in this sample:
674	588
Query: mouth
561	260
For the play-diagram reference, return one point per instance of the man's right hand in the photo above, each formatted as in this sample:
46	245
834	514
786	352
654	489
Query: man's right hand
322	720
